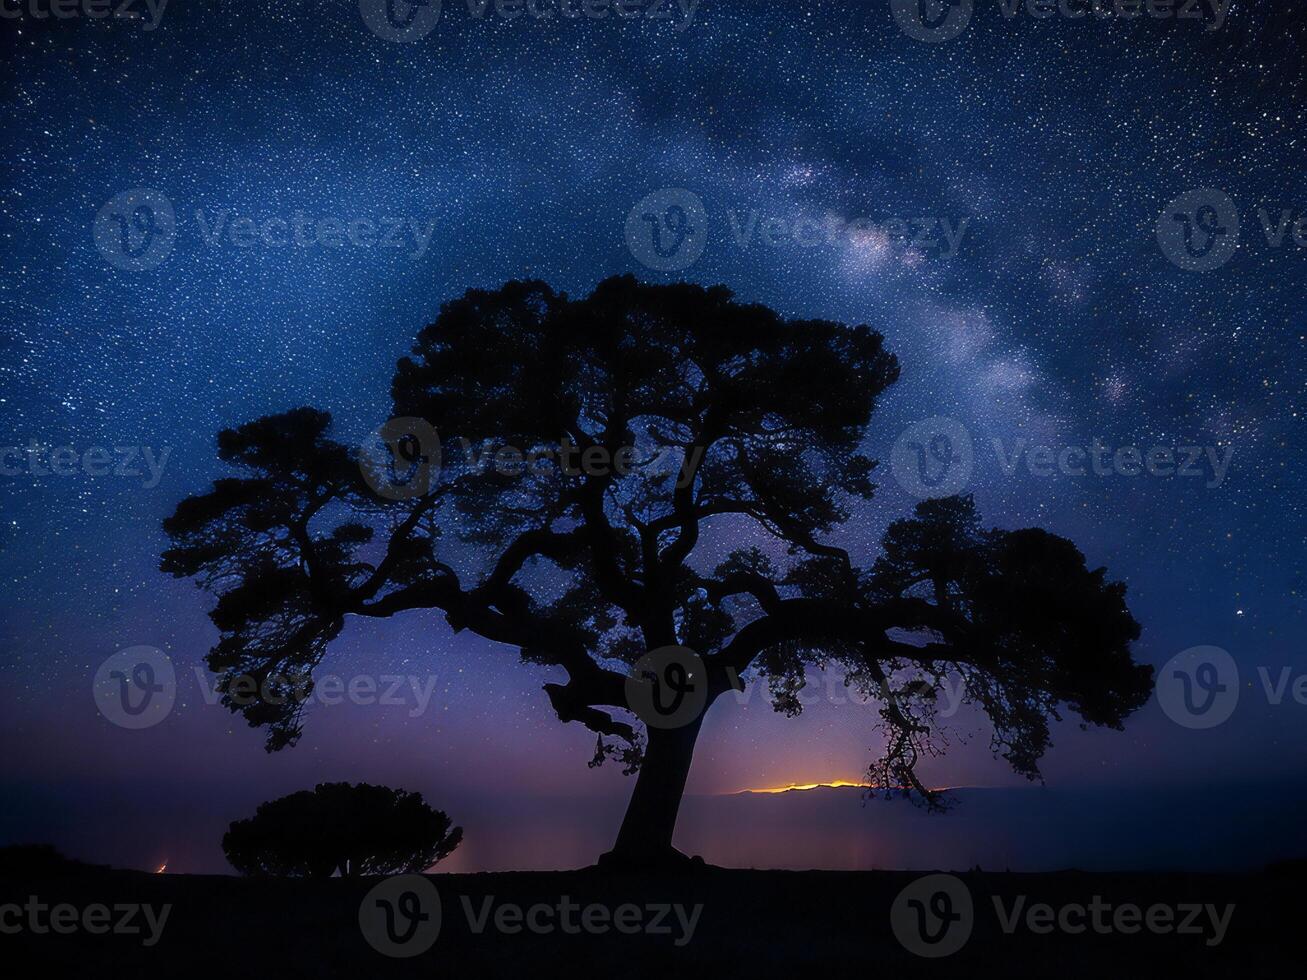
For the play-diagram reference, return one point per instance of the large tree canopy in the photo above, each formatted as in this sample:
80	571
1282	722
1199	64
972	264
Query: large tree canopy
730	414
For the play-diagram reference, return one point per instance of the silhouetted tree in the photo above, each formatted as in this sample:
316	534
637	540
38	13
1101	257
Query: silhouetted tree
736	416
335	827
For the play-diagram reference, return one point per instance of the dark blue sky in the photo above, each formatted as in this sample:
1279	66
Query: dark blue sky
492	149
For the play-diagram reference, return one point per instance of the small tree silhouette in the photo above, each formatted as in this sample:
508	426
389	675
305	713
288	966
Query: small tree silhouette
336	827
732	415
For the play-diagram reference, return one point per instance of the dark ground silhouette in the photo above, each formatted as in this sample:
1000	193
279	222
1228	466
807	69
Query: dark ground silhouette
752	923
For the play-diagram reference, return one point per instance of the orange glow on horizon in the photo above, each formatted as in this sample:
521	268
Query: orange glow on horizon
836	784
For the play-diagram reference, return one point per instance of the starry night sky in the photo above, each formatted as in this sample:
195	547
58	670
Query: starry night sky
1057	319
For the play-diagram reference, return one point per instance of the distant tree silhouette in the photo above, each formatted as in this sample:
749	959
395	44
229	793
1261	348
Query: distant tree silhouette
337	827
736	416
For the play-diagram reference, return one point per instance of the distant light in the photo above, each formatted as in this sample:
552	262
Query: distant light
837	784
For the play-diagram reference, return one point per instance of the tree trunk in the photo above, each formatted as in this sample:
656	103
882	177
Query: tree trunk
645	840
